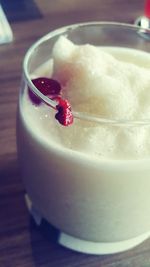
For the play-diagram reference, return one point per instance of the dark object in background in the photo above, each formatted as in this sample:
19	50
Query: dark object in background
20	10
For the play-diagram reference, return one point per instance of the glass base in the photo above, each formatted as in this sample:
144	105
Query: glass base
83	246
100	248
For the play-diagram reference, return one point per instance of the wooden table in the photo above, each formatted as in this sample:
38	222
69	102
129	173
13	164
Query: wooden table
22	244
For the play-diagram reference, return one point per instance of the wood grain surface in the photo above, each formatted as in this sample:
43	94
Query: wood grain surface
22	244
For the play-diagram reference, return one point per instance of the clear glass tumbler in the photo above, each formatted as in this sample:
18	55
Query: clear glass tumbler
100	205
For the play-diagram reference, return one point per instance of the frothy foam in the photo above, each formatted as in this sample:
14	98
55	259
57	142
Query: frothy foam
96	82
107	82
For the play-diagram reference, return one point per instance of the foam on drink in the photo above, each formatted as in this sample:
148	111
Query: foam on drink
113	83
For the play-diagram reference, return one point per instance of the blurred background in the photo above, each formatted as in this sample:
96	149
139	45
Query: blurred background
21	244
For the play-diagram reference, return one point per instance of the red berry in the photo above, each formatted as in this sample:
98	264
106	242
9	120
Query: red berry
46	86
64	114
35	99
52	88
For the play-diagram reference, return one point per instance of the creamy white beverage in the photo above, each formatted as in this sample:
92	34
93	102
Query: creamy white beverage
90	180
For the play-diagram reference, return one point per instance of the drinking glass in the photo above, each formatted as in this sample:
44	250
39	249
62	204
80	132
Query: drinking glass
99	205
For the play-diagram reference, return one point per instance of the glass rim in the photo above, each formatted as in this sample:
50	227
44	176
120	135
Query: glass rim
52	103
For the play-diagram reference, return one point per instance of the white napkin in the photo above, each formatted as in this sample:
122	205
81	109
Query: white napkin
6	35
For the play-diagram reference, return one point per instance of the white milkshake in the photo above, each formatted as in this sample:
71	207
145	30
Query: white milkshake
91	180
